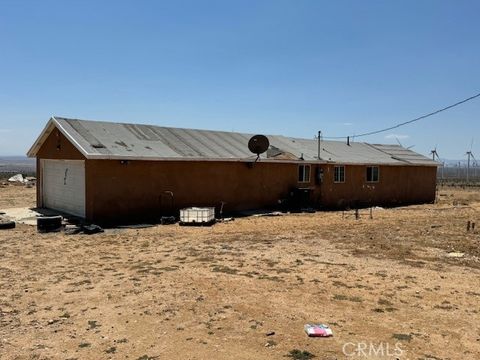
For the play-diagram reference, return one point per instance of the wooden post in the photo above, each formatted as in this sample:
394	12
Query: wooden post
371	213
468	225
357	215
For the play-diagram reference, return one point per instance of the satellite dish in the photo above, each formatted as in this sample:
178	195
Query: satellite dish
258	144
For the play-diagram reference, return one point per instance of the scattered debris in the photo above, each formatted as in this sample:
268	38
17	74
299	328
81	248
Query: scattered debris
72	229
92	229
29	181
47	224
168	220
17	179
273	213
455	254
83	229
270	333
135	226
318	330
6	224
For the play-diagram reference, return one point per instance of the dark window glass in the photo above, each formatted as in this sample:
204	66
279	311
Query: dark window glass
372	174
304	173
339	174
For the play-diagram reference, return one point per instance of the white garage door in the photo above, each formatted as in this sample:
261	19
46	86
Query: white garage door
64	186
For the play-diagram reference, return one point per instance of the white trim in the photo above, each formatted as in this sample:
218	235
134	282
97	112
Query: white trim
69	137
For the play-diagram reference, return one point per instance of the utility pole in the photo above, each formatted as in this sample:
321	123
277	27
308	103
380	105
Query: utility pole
319	144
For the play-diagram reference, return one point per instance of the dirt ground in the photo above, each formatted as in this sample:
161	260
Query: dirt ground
406	282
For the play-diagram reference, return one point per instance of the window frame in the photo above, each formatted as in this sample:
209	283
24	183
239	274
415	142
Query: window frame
304	181
378	174
341	181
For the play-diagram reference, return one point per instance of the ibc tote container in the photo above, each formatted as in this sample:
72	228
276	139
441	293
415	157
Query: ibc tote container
194	215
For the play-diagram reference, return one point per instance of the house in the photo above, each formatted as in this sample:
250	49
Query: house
112	172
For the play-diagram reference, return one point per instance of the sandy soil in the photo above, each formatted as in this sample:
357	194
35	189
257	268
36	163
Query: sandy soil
171	292
12	196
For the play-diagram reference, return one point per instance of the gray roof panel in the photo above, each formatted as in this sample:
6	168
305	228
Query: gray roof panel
108	140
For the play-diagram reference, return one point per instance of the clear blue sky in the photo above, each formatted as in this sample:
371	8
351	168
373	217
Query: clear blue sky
281	67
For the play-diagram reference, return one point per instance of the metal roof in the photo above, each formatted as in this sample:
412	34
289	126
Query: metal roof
109	140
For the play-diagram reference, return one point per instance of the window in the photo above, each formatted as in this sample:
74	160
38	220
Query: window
372	174
339	174
303	173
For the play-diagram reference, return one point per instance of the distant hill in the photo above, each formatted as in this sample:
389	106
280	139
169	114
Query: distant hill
17	158
17	165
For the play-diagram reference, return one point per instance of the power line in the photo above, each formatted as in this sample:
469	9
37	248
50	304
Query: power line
409	121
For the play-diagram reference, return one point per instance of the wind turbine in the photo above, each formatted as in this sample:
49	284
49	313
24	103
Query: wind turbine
435	156
434	153
399	143
469	155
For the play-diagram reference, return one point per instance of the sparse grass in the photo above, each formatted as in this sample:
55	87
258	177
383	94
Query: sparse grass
92	324
341	297
384	302
169	268
111	350
300	355
403	337
271	343
243	279
224	269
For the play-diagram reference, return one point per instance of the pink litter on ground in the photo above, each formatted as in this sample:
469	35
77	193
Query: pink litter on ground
318	330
